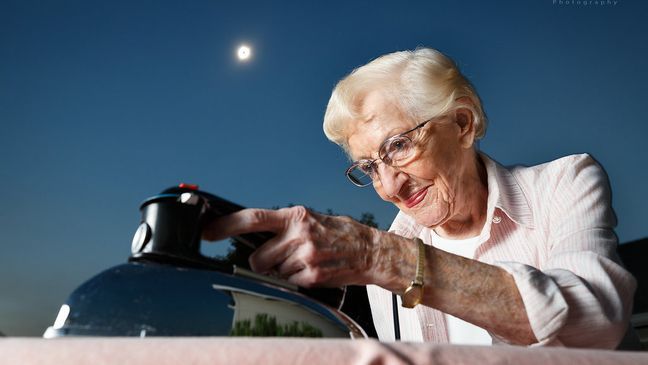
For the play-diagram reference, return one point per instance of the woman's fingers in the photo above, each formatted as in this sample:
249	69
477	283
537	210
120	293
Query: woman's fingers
309	249
246	221
272	254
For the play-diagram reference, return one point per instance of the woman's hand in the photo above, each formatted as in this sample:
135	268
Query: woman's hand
309	249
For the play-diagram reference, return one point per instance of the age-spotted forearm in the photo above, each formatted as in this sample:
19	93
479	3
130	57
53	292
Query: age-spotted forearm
476	292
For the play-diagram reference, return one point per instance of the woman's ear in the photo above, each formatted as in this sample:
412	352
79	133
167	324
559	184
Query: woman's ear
465	119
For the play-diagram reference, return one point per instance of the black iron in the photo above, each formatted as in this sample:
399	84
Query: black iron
168	288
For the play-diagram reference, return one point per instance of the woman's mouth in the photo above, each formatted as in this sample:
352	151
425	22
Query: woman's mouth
416	198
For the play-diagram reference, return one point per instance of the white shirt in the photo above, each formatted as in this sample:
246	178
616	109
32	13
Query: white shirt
551	227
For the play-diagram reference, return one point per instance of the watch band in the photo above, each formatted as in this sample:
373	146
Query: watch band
414	293
420	263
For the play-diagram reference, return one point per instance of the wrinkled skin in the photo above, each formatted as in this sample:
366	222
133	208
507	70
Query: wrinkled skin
311	249
446	169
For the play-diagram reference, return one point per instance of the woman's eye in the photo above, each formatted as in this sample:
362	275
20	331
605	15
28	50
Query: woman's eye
398	145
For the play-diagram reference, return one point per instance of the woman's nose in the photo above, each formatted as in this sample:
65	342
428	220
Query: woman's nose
391	179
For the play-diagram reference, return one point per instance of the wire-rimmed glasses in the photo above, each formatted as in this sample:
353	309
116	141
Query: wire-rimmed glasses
394	151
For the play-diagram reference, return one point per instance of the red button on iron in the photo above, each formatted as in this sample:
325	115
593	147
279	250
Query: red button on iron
188	186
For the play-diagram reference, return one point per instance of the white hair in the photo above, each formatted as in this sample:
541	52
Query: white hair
424	83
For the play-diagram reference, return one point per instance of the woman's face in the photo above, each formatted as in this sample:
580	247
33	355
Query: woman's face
428	187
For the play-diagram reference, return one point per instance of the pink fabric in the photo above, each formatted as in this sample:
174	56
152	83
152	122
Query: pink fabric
551	227
219	350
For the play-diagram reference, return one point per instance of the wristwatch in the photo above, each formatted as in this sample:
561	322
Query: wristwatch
414	293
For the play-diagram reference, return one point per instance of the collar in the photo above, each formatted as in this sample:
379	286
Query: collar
505	193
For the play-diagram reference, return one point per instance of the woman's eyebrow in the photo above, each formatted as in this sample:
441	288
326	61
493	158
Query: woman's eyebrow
392	132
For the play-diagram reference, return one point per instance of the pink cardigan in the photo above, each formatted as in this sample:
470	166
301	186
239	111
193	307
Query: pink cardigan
551	227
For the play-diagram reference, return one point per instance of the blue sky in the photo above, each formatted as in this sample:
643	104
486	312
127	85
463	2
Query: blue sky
103	104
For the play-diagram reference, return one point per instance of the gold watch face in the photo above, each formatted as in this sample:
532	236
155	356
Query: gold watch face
412	296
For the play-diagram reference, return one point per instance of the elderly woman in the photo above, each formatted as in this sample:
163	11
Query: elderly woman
479	253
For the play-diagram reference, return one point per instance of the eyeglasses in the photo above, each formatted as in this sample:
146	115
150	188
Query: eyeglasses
394	151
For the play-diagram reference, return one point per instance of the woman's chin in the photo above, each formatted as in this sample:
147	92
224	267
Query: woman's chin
433	220
431	212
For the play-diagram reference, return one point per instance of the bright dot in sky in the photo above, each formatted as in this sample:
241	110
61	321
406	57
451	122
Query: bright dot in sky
244	52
